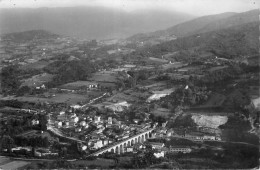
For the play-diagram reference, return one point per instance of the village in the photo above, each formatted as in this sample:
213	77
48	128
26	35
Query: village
79	99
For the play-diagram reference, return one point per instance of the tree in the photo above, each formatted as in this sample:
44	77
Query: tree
7	143
23	90
43	122
10	82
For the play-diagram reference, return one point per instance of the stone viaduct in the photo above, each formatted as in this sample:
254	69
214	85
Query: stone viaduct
119	147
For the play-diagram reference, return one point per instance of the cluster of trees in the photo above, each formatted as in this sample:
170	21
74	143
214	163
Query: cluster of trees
237	100
221	76
6	142
192	95
37	141
134	79
10	81
11	103
16	126
68	71
146	159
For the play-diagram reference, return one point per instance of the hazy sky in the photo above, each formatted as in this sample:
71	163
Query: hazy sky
194	7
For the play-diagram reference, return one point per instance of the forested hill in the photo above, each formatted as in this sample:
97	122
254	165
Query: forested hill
29	35
204	24
228	43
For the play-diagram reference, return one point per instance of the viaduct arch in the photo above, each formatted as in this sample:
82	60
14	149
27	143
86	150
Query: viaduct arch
119	147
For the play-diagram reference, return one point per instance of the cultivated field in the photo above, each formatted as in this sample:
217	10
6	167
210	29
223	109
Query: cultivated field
58	98
11	165
37	80
100	77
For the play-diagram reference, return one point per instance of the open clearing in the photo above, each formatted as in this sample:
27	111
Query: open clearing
104	163
215	100
104	77
36	65
35	133
37	80
161	112
13	165
58	98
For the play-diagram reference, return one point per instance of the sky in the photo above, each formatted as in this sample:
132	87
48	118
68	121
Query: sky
193	7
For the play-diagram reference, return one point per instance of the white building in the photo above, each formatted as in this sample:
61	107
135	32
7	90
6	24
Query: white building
159	154
97	119
98	144
110	120
74	119
58	124
82	123
35	122
78	129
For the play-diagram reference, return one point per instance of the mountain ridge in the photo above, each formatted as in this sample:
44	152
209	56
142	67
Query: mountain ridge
87	22
204	24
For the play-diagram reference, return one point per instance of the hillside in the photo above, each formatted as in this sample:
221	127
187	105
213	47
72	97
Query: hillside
88	22
29	35
227	43
204	24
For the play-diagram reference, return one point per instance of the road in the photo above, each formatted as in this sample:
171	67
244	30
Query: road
91	101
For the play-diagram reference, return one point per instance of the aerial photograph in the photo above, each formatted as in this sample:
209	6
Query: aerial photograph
129	84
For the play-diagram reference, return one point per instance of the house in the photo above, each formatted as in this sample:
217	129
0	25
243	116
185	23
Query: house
159	154
105	142
138	146
136	120
62	117
164	124
169	132
82	123
35	122
194	136
97	119
78	129
110	120
209	137
156	145
98	144
74	119
70	123
76	106
58	124
84	147
129	149
62	113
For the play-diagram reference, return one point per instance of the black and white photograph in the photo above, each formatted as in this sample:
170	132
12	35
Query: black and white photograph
129	84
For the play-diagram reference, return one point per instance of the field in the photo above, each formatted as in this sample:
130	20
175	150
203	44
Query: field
58	98
215	100
6	163
99	162
36	65
37	80
103	77
35	133
158	60
77	85
161	112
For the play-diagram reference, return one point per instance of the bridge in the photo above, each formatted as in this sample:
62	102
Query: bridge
119	147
